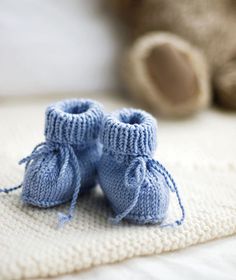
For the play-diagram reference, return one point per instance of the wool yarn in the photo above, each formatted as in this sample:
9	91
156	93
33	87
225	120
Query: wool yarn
136	185
65	164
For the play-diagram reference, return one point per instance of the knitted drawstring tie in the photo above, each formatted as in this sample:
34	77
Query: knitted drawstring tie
68	154
134	178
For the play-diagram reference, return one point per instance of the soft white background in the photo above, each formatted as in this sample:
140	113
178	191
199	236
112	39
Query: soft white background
54	46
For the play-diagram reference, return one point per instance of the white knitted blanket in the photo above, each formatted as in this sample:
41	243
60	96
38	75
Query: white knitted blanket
199	152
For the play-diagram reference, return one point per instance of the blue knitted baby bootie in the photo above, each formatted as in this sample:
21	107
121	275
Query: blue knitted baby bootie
136	185
58	169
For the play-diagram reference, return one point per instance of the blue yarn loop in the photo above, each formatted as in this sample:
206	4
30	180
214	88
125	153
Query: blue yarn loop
8	190
70	157
134	178
26	160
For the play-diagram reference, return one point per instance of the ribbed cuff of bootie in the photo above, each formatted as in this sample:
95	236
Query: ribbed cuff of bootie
73	121
129	131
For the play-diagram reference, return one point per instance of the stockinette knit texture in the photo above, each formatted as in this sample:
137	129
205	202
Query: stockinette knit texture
65	164
136	185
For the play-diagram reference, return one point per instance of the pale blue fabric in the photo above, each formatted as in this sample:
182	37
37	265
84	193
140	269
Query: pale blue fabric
136	185
65	164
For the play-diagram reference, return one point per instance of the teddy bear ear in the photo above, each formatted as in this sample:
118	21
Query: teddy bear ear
167	75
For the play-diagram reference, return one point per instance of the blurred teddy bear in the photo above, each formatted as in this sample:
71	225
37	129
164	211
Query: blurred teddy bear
181	52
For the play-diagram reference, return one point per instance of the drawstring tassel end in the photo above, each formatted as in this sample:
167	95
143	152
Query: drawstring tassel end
63	219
